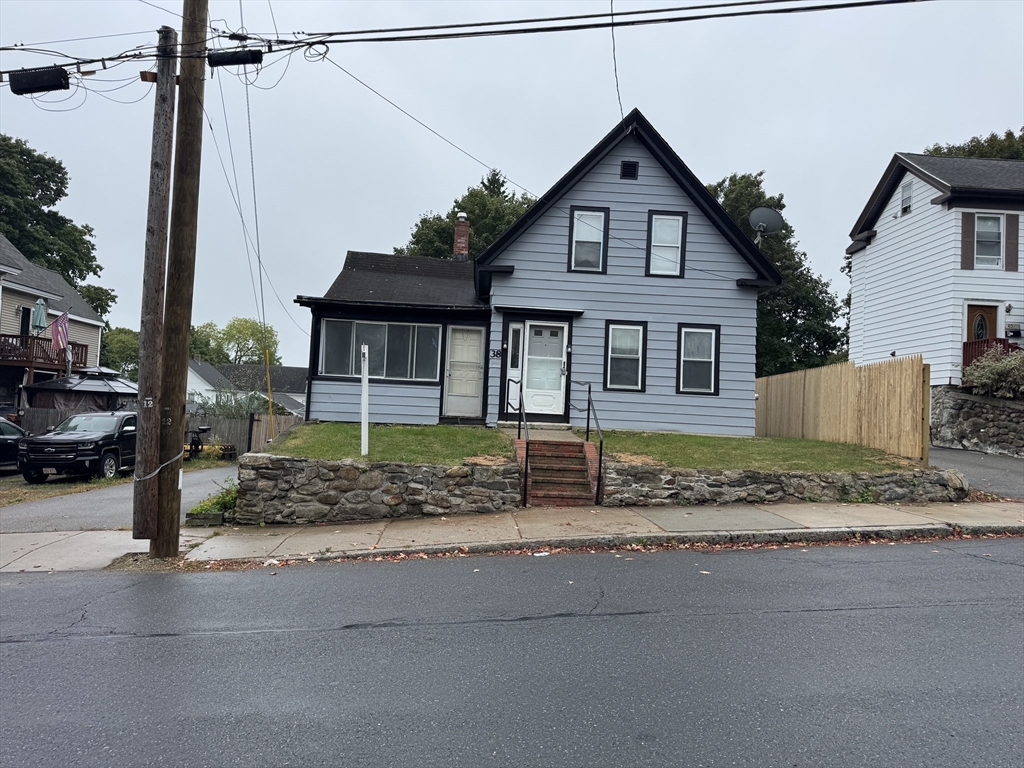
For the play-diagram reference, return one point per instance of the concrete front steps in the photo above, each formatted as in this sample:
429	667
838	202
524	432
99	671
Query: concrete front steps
558	475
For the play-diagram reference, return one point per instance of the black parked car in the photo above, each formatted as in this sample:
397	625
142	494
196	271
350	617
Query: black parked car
100	444
10	436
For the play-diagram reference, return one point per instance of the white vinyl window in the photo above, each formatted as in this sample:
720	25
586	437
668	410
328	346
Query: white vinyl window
905	195
988	241
624	366
396	350
666	244
697	363
587	241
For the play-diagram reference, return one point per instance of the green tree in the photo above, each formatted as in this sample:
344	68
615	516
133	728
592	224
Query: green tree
99	298
796	322
207	342
120	351
244	340
31	184
491	209
1009	146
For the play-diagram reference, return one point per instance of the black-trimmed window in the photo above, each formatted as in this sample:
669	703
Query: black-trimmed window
399	351
588	239
625	355
666	243
698	361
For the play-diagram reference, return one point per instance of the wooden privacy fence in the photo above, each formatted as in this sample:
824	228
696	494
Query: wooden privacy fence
883	405
236	432
222	430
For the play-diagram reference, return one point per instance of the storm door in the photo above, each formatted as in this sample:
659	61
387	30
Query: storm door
544	368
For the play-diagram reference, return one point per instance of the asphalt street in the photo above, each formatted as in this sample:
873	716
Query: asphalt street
107	508
872	655
1001	475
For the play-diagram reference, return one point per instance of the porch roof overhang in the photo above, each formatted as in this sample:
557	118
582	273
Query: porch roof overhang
538	311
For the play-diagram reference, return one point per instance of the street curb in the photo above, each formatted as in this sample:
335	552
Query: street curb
776	536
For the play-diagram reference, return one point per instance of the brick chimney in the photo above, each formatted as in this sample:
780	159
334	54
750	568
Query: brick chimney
461	250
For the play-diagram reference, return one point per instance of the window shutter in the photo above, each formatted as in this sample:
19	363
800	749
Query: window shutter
1012	260
966	240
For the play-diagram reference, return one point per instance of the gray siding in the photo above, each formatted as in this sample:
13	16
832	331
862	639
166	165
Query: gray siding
708	295
336	400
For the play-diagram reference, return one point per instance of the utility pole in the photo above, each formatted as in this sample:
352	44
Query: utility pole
147	456
181	269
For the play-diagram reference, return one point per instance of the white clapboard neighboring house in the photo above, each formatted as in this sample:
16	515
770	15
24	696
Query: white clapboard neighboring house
626	276
27	354
936	262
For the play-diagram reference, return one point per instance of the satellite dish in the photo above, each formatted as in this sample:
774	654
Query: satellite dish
765	221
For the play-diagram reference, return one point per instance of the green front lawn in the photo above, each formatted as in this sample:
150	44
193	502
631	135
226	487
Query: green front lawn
766	454
415	445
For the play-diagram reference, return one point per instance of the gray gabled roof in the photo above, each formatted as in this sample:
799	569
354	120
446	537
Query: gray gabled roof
253	377
209	373
971	173
970	179
34	277
378	279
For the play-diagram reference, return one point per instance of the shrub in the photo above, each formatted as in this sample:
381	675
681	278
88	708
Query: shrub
222	502
997	374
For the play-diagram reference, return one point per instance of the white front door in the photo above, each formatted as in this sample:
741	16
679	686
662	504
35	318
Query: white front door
544	367
464	374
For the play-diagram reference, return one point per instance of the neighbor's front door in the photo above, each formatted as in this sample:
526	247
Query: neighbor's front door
464	374
981	322
544	367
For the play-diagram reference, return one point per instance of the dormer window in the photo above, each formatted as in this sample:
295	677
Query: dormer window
588	239
905	198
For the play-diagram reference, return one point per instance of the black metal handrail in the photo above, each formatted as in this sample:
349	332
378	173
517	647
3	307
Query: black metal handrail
591	408
519	431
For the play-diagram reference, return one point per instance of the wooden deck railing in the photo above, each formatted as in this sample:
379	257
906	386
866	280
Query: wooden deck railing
36	350
978	347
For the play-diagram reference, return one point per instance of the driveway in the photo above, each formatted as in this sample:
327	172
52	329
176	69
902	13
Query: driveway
1001	475
105	508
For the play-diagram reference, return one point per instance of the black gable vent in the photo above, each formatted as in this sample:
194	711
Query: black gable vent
629	169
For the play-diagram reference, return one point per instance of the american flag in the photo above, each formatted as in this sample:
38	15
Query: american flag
60	331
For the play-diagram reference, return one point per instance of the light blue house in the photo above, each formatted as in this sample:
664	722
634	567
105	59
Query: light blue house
626	276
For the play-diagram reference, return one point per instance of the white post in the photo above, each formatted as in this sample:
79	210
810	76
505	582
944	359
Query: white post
364	415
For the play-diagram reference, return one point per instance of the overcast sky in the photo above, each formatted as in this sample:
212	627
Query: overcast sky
820	102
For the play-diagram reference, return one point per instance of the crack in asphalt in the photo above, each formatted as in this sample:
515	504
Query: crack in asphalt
491	620
985	558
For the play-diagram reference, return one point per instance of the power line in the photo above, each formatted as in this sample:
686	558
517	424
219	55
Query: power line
328	39
615	63
16	46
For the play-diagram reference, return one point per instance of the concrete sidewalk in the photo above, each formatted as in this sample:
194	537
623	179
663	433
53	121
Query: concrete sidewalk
523	528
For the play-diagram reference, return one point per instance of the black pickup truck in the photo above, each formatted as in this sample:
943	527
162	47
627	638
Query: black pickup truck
100	444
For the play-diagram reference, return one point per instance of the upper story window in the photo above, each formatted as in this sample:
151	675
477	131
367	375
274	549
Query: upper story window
666	243
905	198
988	241
625	353
396	350
588	239
698	359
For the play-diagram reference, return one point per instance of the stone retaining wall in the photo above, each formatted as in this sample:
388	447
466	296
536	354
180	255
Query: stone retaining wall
987	424
281	489
629	485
